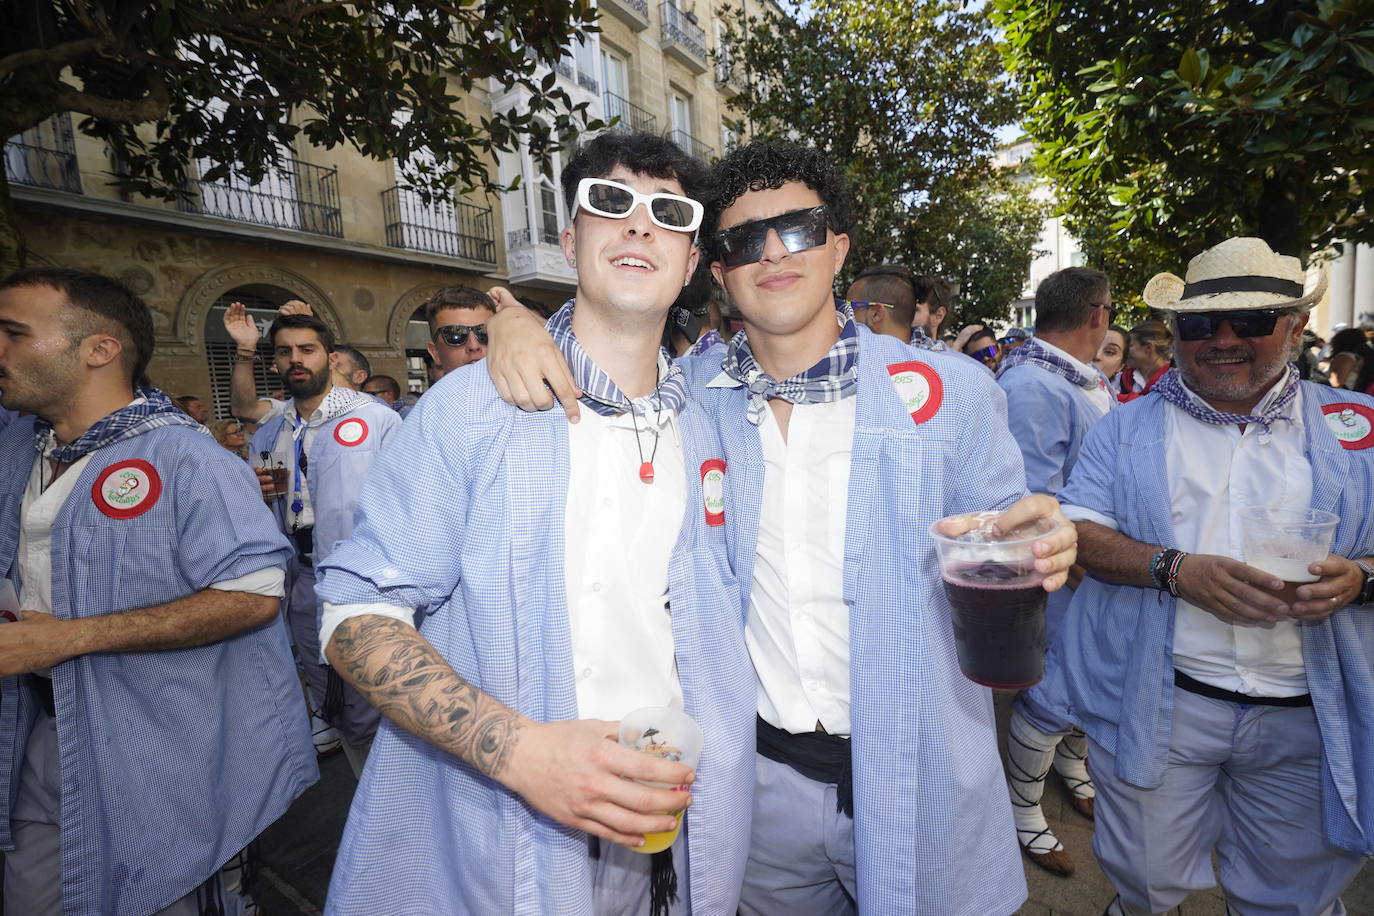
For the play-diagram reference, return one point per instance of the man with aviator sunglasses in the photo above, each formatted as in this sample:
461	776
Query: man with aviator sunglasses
560	577
457	318
1225	710
878	786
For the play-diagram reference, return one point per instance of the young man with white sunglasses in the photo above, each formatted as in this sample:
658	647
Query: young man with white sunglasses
515	583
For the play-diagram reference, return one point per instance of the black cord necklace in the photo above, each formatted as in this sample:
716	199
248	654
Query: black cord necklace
646	468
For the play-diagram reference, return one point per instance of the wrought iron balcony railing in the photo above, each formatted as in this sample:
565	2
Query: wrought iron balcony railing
518	238
683	33
564	68
631	116
293	195
587	81
634	13
44	156
692	146
456	229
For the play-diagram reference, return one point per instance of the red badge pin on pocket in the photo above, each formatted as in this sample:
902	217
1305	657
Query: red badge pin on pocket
127	489
713	491
919	387
1352	424
350	432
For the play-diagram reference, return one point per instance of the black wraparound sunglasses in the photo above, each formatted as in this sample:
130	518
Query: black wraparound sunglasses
1244	322
798	229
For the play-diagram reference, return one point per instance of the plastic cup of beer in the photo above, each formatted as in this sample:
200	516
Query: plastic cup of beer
276	466
672	735
1284	542
997	602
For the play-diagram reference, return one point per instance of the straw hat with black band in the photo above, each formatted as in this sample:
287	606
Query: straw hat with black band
1240	273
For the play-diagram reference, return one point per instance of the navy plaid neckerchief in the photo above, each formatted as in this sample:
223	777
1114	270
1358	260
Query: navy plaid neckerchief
599	392
156	410
833	378
919	338
1173	390
1033	353
705	342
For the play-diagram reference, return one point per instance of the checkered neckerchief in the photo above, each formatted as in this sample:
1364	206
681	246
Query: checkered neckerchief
833	378
1172	388
919	338
599	392
1032	353
155	410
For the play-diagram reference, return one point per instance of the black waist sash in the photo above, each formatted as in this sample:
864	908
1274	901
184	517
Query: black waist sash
815	755
1192	685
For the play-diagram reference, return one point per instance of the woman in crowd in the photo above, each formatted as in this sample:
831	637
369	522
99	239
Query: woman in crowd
1111	356
1352	361
229	433
1148	356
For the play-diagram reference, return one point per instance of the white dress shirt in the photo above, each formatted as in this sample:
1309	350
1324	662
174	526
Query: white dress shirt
286	444
619	533
1100	396
1215	471
798	627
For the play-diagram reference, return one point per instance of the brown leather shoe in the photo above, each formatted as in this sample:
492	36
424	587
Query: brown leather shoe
1083	806
1057	862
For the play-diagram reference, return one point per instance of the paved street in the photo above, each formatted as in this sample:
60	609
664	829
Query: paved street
298	853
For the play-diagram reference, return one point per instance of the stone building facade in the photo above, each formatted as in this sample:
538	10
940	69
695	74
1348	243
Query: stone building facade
334	228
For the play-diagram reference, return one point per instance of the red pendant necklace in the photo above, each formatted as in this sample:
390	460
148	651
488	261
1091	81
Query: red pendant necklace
646	468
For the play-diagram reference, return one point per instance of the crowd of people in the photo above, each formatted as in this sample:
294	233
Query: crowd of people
465	593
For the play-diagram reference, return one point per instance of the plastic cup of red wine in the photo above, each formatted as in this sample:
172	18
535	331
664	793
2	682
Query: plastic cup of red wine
996	599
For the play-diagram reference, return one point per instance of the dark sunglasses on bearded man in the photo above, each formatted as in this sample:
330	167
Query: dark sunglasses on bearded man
1244	322
798	230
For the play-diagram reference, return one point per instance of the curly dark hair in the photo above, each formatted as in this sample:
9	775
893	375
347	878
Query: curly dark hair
641	153
765	166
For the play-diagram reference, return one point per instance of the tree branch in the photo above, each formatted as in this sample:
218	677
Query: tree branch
149	108
57	56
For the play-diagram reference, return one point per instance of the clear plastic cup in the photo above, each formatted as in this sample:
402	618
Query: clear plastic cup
672	735
1284	542
997	602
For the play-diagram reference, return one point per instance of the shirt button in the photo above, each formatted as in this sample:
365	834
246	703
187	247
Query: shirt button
596	586
607	501
586	673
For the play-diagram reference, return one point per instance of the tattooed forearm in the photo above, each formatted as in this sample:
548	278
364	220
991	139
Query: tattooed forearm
410	683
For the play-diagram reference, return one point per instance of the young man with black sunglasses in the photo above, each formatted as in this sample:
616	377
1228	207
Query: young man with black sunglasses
878	785
1225	713
457	318
515	584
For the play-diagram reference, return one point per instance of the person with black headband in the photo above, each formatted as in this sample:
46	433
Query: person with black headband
877	787
1226	712
560	576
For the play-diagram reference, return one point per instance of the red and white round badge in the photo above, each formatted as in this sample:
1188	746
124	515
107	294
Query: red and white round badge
919	387
350	432
1351	424
126	489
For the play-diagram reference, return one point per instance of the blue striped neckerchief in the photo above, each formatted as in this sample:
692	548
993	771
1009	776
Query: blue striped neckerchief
919	338
155	410
834	377
1034	353
1171	387
600	393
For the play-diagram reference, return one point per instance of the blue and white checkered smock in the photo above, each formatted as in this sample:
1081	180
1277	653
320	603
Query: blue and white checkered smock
462	518
932	820
171	761
1116	678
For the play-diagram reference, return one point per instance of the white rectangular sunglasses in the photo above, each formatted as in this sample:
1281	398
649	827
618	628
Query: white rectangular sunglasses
604	197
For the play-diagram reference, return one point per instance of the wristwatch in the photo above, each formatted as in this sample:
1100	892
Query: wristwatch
1366	595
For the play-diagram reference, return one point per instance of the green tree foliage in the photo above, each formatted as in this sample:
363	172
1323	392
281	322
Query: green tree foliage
236	82
1170	126
907	95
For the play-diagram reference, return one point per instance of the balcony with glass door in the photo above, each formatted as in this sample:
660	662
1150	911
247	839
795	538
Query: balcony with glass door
631	116
692	146
683	39
451	228
291	195
44	156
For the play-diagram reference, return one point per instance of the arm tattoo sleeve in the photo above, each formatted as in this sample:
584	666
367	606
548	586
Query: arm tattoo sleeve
410	683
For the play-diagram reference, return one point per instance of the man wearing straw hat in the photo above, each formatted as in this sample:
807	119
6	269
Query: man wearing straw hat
1221	714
